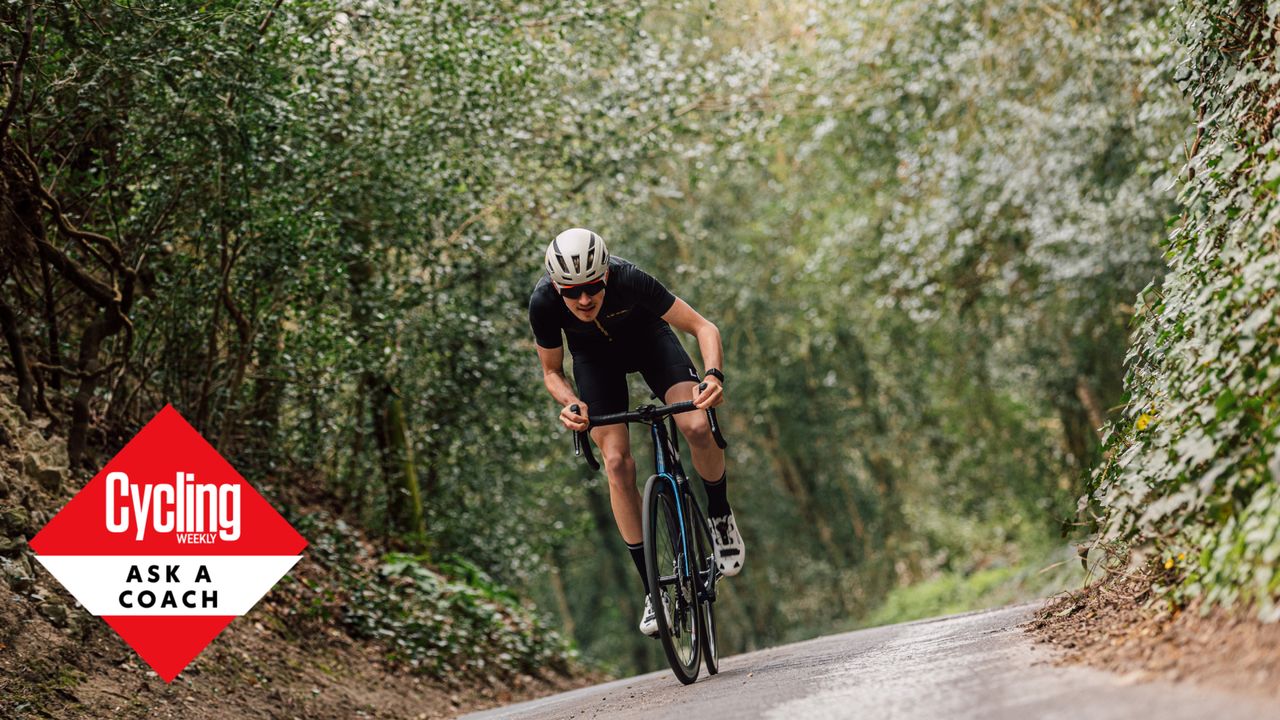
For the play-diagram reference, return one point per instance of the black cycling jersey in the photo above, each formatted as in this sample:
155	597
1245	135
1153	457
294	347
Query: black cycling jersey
628	335
634	303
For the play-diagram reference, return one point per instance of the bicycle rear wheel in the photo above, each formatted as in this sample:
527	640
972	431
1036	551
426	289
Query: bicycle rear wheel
707	574
670	581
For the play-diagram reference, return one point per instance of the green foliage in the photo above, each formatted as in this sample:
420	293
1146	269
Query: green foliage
1193	466
918	225
443	623
956	591
319	208
922	266
443	627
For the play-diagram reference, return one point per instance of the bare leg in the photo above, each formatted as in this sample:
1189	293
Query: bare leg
708	458
615	446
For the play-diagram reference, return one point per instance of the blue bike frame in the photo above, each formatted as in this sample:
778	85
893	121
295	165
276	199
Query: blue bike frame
663	444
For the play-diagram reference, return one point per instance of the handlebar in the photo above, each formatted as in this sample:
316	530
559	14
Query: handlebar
645	414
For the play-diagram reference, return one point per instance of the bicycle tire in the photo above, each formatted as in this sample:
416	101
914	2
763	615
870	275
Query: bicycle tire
663	551
705	549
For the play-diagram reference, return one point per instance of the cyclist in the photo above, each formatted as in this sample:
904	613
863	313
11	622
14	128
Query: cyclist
618	319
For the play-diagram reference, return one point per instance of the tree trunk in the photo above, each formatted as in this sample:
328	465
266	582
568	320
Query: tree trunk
230	416
883	475
263	419
1092	406
19	221
18	354
404	498
206	380
104	327
794	484
562	599
51	320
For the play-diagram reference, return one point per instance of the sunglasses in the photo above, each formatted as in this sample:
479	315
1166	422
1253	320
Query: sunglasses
573	292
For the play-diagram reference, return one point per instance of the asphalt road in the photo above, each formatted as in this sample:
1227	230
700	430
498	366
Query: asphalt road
978	665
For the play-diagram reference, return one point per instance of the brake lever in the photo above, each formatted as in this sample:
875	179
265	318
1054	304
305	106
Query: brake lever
582	444
715	423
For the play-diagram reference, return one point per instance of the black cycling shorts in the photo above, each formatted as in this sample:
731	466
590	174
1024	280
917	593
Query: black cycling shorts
602	376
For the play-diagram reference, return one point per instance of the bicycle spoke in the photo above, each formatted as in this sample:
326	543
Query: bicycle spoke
676	590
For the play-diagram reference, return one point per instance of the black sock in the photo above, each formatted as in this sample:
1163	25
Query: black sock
717	498
637	556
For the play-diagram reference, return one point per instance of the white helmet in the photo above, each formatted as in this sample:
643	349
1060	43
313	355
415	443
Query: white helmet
577	256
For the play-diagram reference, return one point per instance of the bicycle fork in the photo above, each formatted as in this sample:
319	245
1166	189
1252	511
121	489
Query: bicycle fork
660	442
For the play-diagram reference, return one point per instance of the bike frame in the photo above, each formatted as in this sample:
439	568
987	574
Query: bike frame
664	448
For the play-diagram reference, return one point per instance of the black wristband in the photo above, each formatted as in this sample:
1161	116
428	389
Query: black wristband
715	373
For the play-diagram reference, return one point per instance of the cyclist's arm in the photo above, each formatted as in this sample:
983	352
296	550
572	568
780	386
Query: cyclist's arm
552	360
687	319
553	375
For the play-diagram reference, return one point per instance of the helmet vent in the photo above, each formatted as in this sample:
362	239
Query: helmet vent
559	257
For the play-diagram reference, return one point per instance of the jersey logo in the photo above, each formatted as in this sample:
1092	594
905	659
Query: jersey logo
693	374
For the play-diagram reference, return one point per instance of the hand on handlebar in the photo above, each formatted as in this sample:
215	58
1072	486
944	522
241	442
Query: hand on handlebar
574	416
708	394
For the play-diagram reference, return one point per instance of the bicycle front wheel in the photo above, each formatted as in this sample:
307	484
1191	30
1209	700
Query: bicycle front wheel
707	573
670	573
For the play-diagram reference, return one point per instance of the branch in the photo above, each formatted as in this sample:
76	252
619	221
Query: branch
262	27
243	327
678	113
483	212
102	293
1195	146
65	225
97	290
16	89
78	374
88	16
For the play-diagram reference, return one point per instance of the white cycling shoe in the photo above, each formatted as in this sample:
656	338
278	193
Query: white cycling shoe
649	620
730	550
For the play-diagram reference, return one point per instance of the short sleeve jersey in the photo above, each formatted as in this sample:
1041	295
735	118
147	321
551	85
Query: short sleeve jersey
634	303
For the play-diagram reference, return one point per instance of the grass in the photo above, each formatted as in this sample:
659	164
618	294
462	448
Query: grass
955	592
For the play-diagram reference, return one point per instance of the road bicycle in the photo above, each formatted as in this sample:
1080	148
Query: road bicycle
678	551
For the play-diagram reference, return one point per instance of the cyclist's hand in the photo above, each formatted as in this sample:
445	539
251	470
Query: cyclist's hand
575	421
708	394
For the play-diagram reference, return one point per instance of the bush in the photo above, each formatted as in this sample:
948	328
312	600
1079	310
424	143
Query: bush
434	623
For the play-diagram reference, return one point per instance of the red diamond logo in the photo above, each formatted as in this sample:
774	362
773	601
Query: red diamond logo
168	544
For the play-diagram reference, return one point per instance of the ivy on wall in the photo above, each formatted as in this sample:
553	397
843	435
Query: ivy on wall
1192	471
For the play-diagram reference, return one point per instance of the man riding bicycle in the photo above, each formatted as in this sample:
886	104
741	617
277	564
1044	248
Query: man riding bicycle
618	320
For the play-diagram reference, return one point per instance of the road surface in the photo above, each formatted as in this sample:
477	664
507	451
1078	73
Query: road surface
977	665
